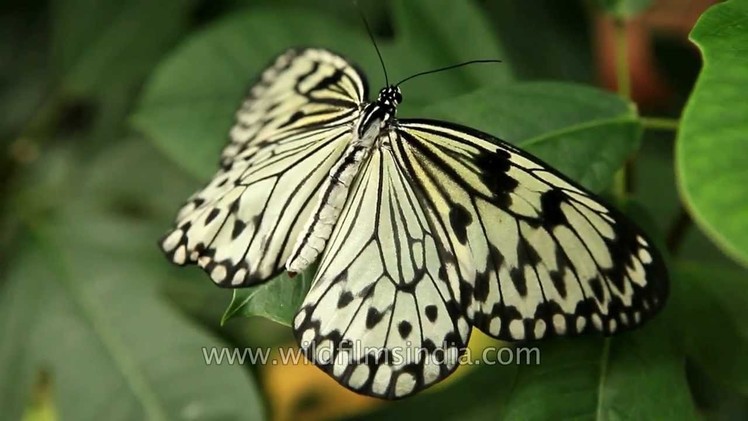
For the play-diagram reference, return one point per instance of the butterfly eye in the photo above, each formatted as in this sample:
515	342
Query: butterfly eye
398	97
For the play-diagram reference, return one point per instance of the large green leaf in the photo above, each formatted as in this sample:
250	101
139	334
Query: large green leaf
79	302
104	333
23	67
90	40
583	132
711	158
19	309
560	51
101	52
631	376
426	40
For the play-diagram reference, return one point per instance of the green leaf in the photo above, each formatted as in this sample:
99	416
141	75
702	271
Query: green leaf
89	52
655	187
23	67
625	8
583	132
105	333
20	308
710	152
631	376
426	40
79	302
710	304
100	54
560	51
277	299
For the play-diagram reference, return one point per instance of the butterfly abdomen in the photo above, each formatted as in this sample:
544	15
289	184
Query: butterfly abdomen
333	195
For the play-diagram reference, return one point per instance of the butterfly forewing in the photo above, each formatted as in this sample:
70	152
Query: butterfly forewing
289	132
301	89
537	255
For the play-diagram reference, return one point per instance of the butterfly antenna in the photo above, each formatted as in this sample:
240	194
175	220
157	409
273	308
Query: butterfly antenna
441	69
373	41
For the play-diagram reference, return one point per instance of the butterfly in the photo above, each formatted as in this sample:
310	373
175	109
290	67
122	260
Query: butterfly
422	230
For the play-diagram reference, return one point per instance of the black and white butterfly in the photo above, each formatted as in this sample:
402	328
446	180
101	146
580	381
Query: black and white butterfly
423	229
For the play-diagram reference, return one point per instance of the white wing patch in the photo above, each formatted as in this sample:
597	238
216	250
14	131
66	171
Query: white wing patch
380	317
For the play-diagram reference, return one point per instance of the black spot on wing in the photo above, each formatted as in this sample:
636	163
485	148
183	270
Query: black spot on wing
459	219
526	253
480	291
212	215
345	299
431	312
517	276
404	328
557	278
550	205
293	118
373	317
239	226
494	172
234	208
597	288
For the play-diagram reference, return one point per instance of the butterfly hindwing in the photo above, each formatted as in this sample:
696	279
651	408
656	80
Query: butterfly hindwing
380	316
537	254
289	132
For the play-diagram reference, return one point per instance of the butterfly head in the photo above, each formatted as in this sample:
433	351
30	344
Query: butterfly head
390	97
380	113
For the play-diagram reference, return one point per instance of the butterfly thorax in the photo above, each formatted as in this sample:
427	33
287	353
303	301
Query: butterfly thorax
378	114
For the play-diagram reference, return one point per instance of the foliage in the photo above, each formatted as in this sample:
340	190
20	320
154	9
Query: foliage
116	112
710	163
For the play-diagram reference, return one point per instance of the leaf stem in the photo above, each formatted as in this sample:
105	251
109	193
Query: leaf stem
660	123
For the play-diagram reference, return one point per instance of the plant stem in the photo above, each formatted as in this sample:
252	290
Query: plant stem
623	77
677	231
660	123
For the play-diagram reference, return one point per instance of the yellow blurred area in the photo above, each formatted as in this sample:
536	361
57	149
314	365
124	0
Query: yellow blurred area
304	392
41	406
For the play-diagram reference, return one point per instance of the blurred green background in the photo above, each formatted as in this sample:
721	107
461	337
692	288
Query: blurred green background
113	113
